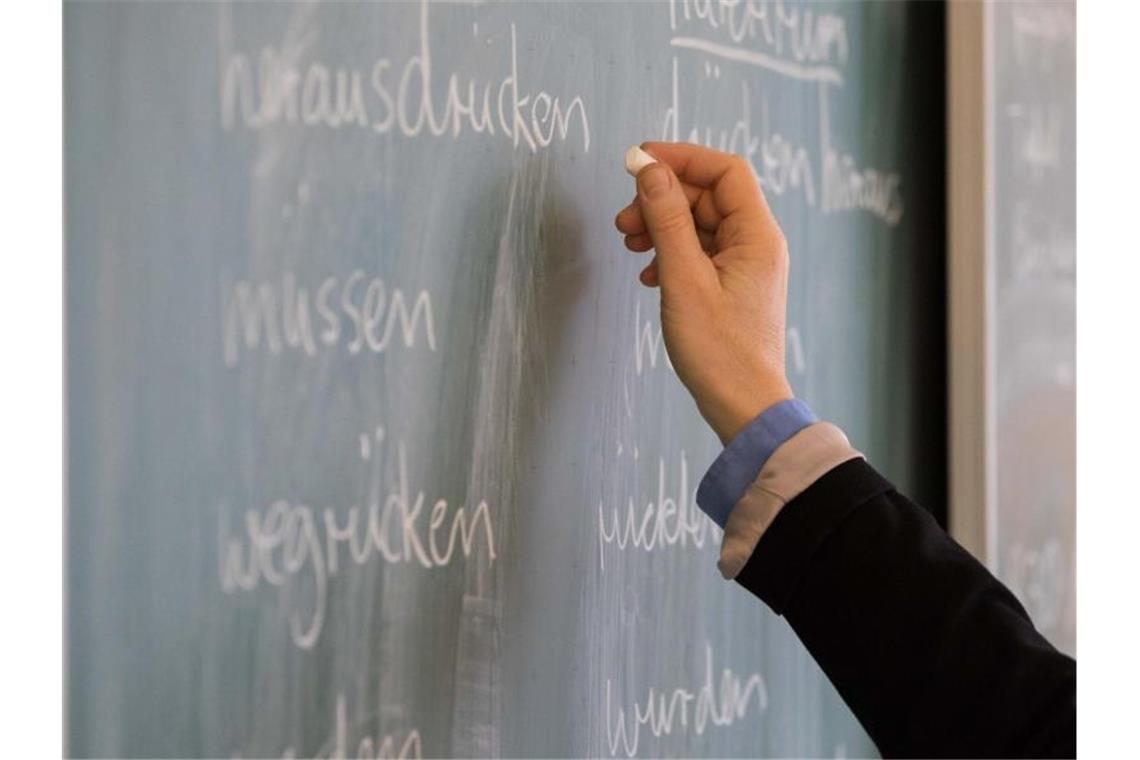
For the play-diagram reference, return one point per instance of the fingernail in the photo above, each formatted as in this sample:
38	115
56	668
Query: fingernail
653	181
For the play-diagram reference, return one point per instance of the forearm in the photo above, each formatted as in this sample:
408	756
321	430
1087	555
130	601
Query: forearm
932	654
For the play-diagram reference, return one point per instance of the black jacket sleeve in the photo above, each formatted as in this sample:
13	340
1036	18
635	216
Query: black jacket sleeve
932	653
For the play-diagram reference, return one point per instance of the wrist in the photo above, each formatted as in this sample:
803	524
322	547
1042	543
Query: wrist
745	456
729	414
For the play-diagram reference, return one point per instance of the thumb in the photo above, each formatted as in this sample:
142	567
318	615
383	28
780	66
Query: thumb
669	221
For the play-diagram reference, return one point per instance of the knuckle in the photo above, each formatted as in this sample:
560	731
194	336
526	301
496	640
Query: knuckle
740	165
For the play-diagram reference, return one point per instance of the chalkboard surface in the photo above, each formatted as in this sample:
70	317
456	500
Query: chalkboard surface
373	447
1034	125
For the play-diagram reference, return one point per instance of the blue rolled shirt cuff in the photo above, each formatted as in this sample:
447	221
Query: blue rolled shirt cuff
742	459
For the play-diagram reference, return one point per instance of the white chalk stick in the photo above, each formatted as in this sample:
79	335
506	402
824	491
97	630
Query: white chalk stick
636	159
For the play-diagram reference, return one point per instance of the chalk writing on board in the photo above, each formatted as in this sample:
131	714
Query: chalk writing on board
1037	133
359	311
781	164
1030	106
290	545
848	186
1037	27
397	97
777	36
1042	246
795	43
1039	578
671	519
295	132
649	345
684	709
386	746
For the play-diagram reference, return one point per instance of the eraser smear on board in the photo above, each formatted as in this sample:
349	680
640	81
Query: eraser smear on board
636	159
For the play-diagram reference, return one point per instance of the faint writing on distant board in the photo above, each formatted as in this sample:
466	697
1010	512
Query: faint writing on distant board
298	548
1038	576
407	97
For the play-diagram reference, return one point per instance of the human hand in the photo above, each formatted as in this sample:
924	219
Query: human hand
722	265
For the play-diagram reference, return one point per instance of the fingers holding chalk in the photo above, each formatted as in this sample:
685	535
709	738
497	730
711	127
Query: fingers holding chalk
648	275
629	220
639	243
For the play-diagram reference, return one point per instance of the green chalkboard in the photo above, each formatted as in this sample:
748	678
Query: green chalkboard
372	444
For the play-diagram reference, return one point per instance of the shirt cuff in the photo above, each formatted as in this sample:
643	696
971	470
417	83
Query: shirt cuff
740	462
805	458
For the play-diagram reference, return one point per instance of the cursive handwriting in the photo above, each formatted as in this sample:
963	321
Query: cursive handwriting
682	709
288	541
360	311
397	97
